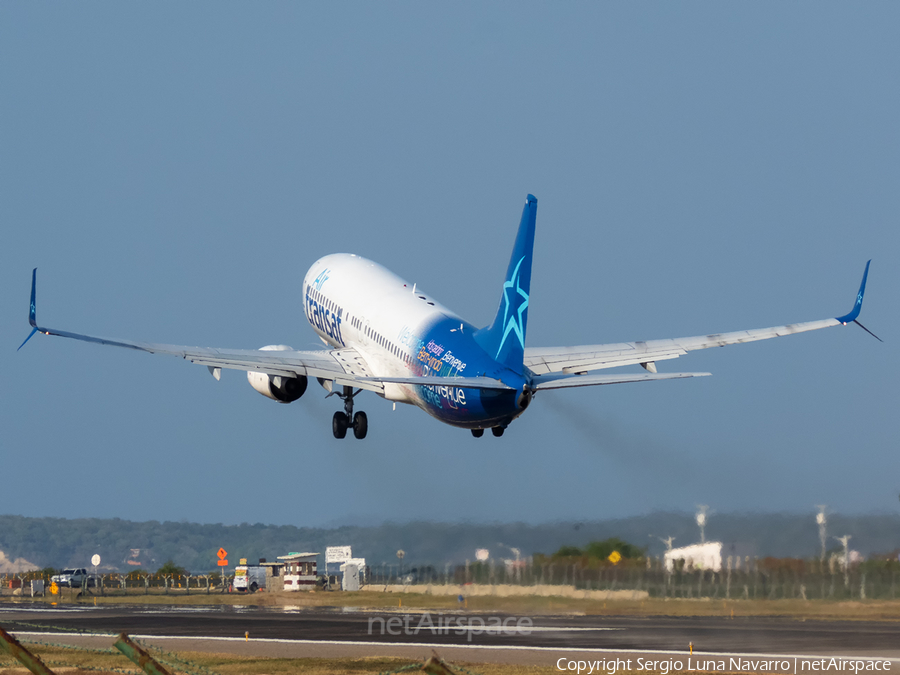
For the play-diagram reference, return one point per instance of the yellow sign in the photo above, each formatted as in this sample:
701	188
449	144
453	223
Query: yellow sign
54	589
615	557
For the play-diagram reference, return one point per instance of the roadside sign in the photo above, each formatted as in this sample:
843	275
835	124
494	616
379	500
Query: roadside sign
615	557
95	560
222	560
337	554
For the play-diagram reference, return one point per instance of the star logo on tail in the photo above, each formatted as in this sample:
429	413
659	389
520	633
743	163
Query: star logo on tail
515	303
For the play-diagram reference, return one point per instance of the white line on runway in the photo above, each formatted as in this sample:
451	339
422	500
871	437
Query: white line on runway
445	645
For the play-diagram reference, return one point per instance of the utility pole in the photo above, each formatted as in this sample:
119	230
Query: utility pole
667	541
516	552
845	540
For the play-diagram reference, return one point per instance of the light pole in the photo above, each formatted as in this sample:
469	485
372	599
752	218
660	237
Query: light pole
821	520
702	510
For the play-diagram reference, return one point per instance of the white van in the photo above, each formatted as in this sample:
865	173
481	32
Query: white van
249	578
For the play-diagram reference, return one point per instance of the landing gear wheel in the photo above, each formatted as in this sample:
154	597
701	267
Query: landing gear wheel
498	431
339	424
478	433
360	425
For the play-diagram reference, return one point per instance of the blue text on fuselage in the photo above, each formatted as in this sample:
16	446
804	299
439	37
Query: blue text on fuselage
323	318
321	279
454	396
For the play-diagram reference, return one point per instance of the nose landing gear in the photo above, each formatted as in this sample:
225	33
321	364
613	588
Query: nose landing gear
345	420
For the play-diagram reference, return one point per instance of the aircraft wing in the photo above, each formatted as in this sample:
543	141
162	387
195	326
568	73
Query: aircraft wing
582	359
345	367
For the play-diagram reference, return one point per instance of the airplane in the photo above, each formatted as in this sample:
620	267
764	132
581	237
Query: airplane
389	337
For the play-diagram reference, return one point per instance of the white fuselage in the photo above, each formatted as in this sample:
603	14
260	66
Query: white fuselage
353	302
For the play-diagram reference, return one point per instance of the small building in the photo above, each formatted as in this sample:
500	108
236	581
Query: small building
299	572
359	576
706	556
274	575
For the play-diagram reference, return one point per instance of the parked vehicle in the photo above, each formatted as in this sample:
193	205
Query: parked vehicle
249	578
74	577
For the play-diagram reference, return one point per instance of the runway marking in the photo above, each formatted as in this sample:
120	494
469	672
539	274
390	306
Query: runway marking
445	645
545	629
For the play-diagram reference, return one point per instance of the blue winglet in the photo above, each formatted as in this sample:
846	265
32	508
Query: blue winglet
33	331
848	318
32	315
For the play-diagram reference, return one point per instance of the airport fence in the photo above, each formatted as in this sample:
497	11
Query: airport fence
747	578
115	584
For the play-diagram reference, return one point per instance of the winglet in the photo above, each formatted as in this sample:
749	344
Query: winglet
32	316
849	318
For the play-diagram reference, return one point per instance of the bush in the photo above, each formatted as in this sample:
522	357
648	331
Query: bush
169	567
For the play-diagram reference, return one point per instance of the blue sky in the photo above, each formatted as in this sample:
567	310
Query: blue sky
173	170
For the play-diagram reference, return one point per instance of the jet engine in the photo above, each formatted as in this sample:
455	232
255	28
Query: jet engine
277	387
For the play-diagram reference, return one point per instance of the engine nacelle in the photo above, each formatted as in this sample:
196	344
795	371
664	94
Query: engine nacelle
277	387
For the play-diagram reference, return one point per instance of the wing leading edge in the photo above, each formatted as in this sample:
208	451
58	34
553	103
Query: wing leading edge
345	367
582	359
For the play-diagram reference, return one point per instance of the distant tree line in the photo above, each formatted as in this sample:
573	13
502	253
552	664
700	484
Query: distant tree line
59	542
593	553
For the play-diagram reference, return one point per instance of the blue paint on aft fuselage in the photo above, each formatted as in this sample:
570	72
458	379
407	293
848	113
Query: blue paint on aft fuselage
447	348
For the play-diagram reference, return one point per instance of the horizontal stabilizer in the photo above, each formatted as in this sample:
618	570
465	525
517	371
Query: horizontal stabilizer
565	381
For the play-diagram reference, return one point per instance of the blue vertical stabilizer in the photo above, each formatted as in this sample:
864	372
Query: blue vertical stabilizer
504	339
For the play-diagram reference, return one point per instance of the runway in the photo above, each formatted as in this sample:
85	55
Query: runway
295	632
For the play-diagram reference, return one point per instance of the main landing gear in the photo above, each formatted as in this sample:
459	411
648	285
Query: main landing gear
497	431
345	420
